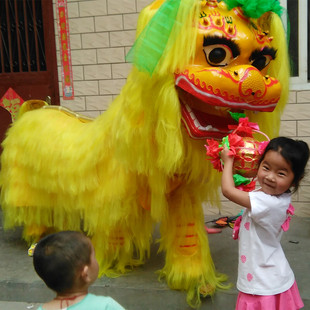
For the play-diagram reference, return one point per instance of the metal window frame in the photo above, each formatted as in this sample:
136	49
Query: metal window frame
300	82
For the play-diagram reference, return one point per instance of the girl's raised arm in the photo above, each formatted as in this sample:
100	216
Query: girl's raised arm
228	186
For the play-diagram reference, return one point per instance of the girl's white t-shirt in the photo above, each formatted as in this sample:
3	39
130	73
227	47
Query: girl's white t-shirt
263	268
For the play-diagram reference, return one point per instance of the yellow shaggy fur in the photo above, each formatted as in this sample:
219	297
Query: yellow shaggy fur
118	175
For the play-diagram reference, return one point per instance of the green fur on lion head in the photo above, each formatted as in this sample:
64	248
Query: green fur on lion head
255	8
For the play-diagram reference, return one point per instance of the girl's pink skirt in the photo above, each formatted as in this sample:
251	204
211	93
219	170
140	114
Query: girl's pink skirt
288	300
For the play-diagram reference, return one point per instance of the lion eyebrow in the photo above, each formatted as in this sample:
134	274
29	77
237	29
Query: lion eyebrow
211	40
265	51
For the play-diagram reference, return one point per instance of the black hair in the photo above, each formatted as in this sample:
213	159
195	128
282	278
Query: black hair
295	152
58	257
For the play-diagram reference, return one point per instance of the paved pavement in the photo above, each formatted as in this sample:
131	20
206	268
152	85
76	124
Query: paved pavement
20	287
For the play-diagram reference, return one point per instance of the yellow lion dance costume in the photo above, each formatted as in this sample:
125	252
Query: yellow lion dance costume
195	62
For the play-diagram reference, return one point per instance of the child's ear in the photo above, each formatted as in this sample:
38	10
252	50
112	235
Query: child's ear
85	275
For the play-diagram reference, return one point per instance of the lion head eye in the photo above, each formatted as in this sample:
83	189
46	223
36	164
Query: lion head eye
218	55
261	58
261	62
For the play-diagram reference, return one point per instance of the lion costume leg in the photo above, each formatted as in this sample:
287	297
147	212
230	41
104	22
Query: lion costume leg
189	265
125	243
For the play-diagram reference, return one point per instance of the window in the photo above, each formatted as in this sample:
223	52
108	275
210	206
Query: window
21	37
299	46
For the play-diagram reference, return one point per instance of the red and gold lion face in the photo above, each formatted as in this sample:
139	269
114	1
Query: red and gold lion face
229	72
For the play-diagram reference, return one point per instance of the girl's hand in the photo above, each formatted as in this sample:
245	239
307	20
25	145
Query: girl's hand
225	157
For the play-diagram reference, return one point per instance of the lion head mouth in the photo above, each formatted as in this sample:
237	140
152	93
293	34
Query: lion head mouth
208	107
213	122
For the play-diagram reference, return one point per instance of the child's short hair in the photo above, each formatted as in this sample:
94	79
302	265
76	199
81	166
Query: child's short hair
58	257
295	152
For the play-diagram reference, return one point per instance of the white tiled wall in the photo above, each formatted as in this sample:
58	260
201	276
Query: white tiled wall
102	32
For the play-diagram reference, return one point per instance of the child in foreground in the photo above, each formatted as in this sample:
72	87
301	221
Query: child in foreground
67	264
265	278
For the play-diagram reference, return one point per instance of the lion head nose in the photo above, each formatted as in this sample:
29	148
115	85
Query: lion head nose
252	82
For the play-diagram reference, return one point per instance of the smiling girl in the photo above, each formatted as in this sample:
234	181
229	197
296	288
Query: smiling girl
265	278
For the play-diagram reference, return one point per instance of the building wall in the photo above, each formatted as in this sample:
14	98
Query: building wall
101	33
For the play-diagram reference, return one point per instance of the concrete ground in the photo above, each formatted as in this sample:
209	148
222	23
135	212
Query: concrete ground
20	287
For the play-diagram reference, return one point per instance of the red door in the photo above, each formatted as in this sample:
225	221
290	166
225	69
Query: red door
28	62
